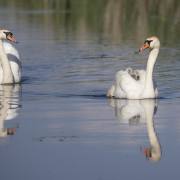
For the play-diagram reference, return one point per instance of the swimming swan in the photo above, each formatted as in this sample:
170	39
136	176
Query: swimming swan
138	84
10	64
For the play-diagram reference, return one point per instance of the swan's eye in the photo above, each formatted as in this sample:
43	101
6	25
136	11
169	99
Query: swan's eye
148	42
8	34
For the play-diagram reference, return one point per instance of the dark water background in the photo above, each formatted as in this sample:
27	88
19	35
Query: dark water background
63	126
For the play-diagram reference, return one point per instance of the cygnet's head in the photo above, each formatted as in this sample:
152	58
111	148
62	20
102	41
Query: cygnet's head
151	43
7	35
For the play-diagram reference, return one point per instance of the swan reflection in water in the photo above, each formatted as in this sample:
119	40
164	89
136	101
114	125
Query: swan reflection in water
9	106
139	111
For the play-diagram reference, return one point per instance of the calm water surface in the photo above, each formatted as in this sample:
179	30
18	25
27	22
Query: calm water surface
59	125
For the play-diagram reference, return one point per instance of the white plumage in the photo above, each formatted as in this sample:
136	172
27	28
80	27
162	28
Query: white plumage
137	84
10	64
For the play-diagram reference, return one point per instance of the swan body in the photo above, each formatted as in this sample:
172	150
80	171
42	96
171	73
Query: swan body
10	64
137	84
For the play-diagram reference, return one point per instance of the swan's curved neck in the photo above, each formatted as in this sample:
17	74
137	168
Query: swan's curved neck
149	71
4	62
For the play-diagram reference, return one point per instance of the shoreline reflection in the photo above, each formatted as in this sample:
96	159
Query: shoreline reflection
111	20
134	112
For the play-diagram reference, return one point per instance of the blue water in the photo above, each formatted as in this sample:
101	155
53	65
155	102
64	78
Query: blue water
62	126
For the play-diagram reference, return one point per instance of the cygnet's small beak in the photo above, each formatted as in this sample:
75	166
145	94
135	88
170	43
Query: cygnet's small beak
143	47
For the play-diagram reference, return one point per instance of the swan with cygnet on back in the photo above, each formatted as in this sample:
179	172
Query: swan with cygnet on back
137	84
10	64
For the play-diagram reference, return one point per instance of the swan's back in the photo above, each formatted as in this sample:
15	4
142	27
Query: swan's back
15	62
11	50
123	79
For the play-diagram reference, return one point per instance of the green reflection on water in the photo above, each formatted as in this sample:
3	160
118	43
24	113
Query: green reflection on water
114	20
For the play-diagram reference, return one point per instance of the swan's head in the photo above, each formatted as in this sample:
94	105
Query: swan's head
151	43
7	35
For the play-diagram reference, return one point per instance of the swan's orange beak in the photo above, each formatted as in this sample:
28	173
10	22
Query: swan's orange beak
11	38
145	46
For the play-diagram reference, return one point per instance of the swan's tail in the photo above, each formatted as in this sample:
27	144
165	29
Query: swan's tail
110	92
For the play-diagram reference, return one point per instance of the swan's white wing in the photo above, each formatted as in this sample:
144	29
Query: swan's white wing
131	87
16	69
119	92
15	63
10	49
116	90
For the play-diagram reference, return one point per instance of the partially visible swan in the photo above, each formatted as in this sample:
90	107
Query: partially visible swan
140	111
137	84
9	106
10	64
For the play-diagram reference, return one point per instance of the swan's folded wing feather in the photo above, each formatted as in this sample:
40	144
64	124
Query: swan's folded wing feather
128	85
10	49
14	58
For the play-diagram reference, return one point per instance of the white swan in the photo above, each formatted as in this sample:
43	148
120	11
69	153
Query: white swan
10	64
137	84
140	111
